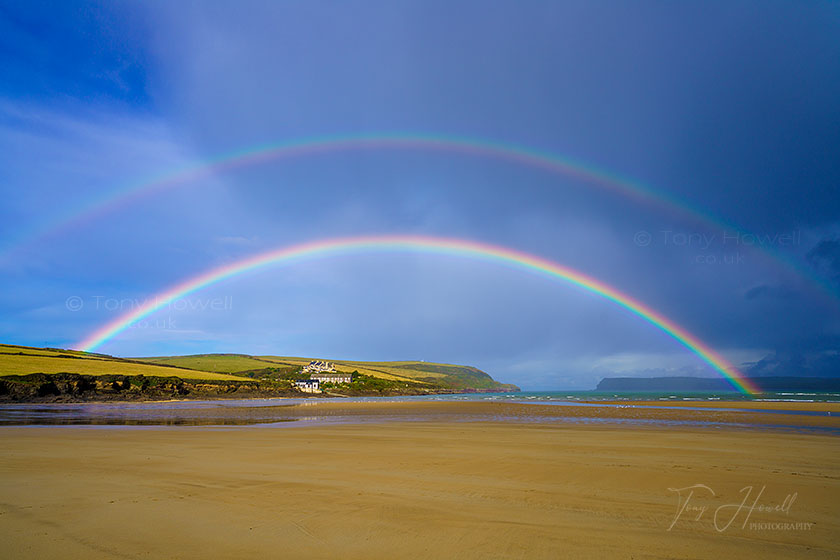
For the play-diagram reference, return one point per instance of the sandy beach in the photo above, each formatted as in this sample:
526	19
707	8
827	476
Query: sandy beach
420	489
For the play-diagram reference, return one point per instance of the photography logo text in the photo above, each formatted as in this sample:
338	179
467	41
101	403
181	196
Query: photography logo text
122	305
698	503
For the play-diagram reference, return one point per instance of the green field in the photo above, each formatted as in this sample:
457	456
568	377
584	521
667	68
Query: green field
220	363
425	373
22	360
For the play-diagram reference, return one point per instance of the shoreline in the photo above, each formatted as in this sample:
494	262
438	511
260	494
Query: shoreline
688	401
821	406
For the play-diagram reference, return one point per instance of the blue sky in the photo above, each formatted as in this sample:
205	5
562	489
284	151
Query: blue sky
730	107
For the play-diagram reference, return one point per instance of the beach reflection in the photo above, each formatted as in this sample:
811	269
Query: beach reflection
305	412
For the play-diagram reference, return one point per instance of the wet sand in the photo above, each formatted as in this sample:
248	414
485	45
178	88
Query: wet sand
833	407
824	417
417	489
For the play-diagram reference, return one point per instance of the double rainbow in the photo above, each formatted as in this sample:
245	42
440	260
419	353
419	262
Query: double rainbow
423	244
551	162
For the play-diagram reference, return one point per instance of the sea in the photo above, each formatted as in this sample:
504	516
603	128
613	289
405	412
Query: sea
588	396
573	396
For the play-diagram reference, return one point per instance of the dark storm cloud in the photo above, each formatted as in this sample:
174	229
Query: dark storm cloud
766	291
825	257
797	364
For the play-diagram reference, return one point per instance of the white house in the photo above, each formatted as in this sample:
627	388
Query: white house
319	366
308	386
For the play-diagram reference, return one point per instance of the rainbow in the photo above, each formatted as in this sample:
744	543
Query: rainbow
423	244
399	141
252	155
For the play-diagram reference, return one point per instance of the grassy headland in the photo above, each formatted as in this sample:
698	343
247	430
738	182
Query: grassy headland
28	373
432	375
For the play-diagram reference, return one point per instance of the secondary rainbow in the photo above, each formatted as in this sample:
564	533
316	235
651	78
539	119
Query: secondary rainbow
434	245
252	155
522	155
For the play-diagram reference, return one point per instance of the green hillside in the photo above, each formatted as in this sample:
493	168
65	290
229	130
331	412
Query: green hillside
448	376
414	376
23	360
220	363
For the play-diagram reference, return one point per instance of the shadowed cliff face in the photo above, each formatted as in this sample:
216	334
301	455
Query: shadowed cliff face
72	386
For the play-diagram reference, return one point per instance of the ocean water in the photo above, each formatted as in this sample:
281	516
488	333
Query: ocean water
604	396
